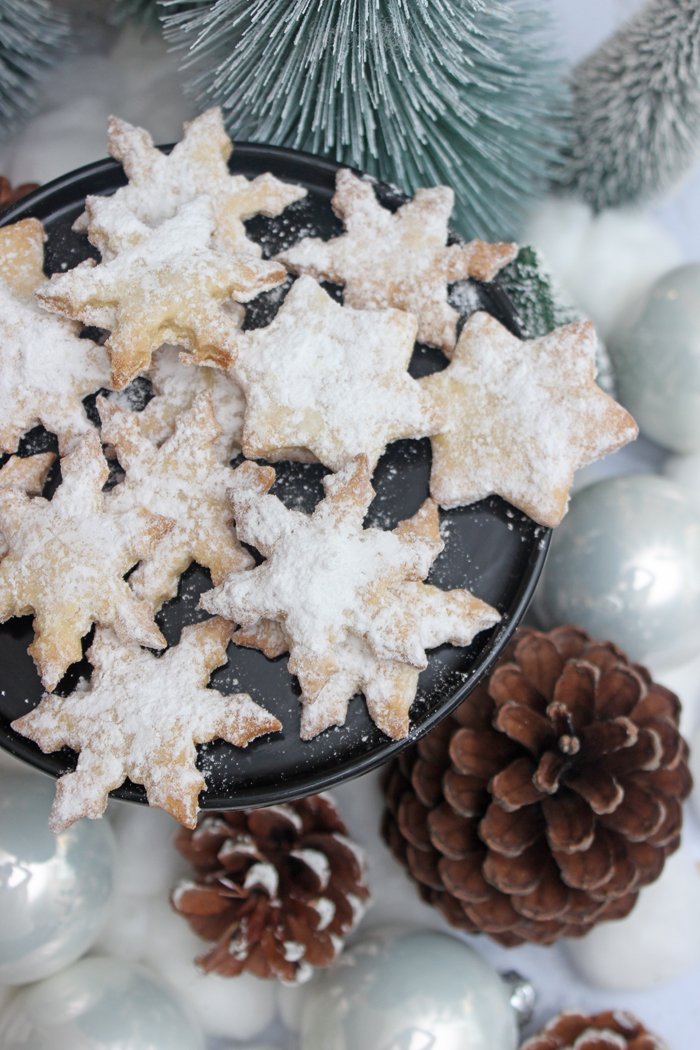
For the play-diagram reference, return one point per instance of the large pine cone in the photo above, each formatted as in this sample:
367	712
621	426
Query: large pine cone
277	889
548	798
612	1030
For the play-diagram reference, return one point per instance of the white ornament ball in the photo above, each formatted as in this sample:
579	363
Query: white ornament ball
55	890
684	471
5	994
125	933
656	358
625	565
98	1004
248	1046
657	942
227	1007
605	261
290	1003
409	989
10	764
694	766
148	864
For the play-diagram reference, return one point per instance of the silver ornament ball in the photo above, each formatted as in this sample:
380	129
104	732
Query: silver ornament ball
98	1004
415	990
656	356
55	890
625	565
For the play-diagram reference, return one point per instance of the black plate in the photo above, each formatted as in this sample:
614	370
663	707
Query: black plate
490	548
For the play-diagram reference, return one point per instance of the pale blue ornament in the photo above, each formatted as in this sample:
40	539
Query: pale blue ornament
684	471
656	357
55	890
417	990
625	565
99	1004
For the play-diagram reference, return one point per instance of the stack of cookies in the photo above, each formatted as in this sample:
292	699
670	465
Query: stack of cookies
321	382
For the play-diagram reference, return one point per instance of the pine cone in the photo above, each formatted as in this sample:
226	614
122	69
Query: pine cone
10	195
278	889
613	1030
549	797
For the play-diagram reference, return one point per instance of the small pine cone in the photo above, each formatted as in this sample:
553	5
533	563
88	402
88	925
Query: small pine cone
612	1030
548	798
277	889
10	195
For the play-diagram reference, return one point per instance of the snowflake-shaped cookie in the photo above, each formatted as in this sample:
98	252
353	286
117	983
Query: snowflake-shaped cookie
400	258
159	183
349	602
25	474
45	368
140	717
66	562
522	417
181	480
163	285
330	380
175	385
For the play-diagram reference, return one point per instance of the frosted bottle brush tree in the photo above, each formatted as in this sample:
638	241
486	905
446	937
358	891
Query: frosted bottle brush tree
33	36
415	91
636	108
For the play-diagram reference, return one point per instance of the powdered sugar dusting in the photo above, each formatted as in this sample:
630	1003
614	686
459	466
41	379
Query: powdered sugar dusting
522	416
45	372
141	717
183	481
329	380
160	184
337	591
163	285
400	258
67	559
176	385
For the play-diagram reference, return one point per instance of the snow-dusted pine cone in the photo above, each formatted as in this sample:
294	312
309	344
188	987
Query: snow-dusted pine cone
549	797
612	1030
277	889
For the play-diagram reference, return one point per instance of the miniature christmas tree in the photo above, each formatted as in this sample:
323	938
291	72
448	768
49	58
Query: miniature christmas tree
33	36
434	91
636	108
541	305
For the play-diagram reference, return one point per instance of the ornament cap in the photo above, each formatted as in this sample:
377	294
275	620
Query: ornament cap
523	996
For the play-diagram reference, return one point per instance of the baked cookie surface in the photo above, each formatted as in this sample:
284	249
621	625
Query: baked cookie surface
350	601
141	717
398	259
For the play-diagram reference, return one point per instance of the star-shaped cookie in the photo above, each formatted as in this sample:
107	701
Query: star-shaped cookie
181	480
522	417
25	474
330	380
349	602
163	285
175	385
400	258
140	717
66	562
45	368
159	183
